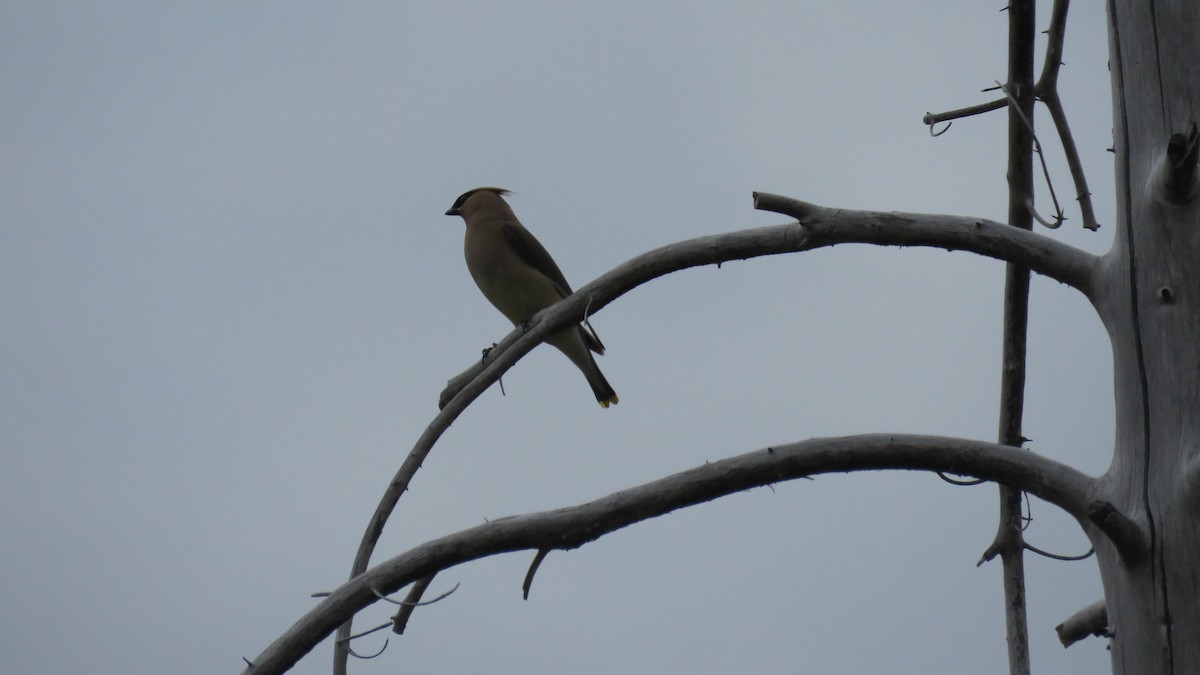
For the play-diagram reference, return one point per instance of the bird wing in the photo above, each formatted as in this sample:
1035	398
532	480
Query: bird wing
532	253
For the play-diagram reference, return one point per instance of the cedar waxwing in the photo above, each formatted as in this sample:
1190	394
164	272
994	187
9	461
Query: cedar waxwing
519	277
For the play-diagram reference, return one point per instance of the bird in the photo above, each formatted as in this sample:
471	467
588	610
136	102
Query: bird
517	275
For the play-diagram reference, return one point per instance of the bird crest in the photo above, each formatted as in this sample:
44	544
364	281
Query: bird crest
464	196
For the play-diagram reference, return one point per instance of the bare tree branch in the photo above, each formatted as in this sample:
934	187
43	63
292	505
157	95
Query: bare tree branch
572	527
931	119
1046	91
827	227
1089	621
1052	63
533	568
1009	542
820	227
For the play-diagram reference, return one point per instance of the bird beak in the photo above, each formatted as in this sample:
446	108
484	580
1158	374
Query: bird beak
453	212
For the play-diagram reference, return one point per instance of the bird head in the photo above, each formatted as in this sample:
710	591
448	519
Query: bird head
471	200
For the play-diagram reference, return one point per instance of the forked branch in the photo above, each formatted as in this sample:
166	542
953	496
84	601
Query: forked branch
818	227
1046	90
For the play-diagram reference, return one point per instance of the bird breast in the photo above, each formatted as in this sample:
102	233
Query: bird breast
515	288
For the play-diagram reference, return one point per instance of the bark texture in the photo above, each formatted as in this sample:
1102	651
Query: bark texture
1149	300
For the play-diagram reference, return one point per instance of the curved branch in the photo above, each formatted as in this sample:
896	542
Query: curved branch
533	568
1058	556
820	227
1047	91
826	227
572	527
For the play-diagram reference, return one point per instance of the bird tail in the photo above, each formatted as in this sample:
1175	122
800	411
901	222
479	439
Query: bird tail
574	342
605	395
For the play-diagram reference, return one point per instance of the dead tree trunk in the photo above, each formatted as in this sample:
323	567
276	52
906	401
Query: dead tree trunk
1149	299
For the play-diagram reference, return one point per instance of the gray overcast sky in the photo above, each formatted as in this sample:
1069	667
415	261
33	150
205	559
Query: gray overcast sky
230	301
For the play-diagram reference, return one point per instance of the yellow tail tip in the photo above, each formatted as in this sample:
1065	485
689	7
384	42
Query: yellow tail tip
610	401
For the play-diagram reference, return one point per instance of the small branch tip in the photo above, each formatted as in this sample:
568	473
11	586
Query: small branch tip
1089	621
989	554
931	119
800	210
533	567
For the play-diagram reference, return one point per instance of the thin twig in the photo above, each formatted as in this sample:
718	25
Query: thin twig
364	657
410	601
1037	149
938	132
350	650
958	481
931	119
1056	556
1027	512
364	633
1053	225
533	567
1046	90
1056	38
1082	194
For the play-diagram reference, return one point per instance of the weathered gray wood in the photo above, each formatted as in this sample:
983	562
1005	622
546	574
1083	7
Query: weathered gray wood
1010	539
1087	622
821	227
1149	300
572	527
1143	515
